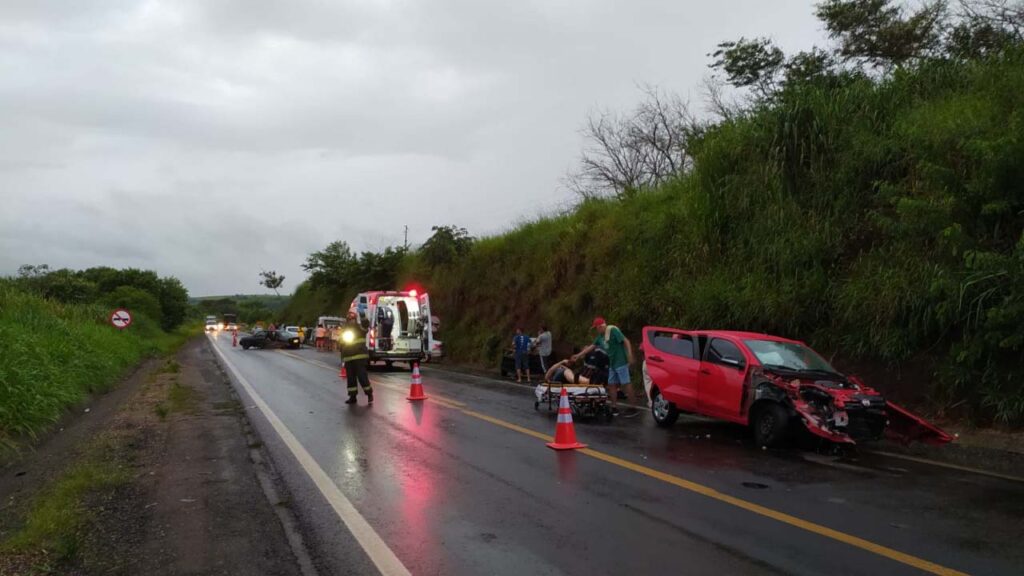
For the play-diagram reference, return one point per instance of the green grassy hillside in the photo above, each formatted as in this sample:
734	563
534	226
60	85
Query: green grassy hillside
878	220
55	354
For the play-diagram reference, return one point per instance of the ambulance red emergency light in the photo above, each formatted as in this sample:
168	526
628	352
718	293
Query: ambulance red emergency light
400	326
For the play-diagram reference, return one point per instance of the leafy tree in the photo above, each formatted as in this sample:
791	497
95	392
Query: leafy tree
756	64
68	286
218	306
107	279
98	284
986	27
446	245
173	299
377	270
28	271
883	33
250	311
808	66
271	279
135	300
330	266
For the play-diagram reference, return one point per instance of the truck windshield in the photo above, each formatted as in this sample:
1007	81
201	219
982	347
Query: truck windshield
788	356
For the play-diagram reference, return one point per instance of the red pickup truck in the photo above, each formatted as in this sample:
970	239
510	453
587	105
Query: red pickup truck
771	384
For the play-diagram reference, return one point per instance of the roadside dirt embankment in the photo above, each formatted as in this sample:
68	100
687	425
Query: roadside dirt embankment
161	476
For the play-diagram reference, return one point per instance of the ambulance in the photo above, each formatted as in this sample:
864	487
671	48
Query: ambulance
400	326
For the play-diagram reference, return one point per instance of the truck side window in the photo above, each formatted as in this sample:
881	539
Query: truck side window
674	343
719	349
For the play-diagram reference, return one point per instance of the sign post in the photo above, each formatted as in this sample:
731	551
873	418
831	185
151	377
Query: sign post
121	318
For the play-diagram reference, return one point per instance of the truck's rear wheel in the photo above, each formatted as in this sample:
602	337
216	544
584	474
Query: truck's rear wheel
665	413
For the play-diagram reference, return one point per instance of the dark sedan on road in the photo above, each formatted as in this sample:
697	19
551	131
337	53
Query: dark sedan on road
269	339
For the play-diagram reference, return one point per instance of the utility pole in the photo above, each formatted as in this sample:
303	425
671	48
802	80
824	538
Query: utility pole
406	244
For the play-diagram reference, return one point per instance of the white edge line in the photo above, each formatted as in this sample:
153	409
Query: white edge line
950	466
374	546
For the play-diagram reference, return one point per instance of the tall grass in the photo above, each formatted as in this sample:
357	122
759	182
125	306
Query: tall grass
880	220
53	355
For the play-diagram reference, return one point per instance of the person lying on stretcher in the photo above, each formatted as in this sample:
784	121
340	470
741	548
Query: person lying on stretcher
562	373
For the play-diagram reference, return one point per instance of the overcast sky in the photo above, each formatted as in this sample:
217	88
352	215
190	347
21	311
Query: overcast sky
207	139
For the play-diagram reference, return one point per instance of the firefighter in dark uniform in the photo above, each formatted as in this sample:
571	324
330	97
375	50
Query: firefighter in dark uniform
356	358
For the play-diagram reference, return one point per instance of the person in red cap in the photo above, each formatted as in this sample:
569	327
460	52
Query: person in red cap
620	357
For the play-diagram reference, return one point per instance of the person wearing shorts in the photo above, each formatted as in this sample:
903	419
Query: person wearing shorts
544	347
321	334
620	357
521	353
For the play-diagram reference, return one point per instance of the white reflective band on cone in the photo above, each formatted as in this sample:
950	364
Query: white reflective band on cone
565	418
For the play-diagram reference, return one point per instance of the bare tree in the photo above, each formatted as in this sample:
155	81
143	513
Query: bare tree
1006	15
718	102
629	153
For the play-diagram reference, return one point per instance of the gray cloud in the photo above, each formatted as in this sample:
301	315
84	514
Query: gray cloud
208	139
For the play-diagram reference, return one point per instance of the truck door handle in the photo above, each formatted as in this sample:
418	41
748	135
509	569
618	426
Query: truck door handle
655	358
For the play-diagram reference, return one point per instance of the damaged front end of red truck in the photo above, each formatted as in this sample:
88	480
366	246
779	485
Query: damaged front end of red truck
842	409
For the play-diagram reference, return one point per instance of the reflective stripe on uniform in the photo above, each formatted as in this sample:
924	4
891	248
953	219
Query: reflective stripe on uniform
359	356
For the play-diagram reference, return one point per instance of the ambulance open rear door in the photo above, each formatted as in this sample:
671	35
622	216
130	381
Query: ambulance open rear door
426	319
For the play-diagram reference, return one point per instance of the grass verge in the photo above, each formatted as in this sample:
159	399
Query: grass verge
55	522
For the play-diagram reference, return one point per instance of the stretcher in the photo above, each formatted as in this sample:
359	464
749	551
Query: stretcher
585	400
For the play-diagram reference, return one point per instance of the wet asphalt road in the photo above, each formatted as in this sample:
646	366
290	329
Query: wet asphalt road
458	485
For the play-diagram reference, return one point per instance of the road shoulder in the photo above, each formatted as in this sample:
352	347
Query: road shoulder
183	488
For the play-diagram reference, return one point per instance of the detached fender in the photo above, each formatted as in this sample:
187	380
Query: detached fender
813	423
905	426
800	410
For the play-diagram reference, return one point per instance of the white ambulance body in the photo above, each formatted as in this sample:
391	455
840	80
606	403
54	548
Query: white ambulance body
401	328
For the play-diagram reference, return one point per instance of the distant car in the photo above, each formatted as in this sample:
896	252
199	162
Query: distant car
772	384
211	325
269	339
231	327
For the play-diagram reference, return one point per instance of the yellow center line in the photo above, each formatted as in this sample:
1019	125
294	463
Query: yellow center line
707	491
825	531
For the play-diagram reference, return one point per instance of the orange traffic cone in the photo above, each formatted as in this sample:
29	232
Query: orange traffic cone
342	373
416	388
565	434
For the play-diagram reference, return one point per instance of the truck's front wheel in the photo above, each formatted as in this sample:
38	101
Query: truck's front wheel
770	425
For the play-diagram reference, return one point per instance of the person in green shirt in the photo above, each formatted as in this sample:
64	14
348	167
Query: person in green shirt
620	357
